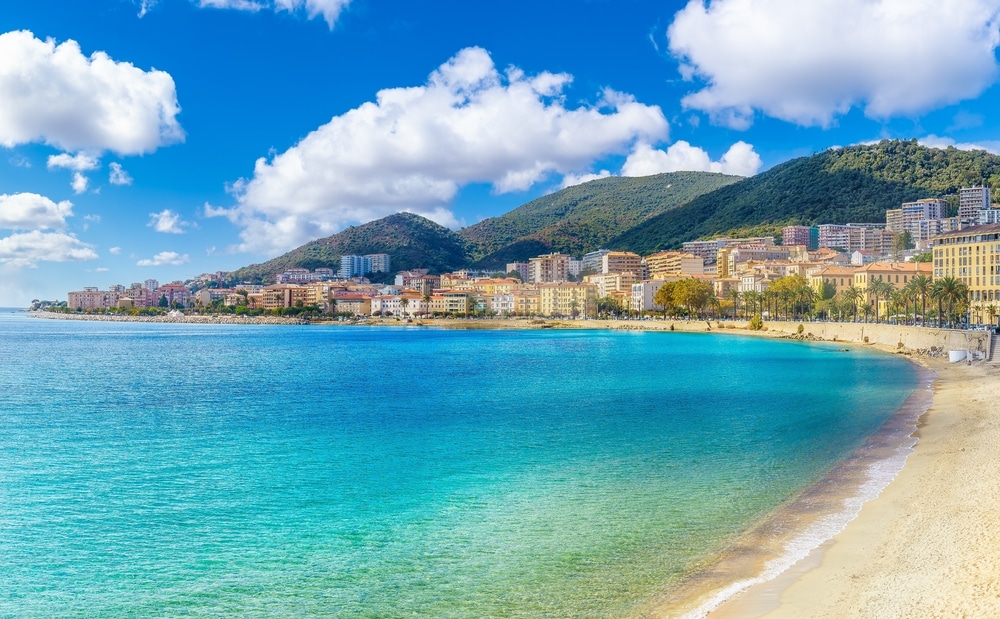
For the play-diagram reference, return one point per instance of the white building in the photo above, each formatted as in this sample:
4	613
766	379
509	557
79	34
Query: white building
643	293
973	200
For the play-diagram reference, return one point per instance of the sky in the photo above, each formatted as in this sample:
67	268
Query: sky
168	138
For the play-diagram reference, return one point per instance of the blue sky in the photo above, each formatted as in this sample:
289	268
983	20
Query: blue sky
167	138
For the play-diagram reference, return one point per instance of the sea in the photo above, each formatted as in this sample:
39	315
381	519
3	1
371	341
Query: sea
184	470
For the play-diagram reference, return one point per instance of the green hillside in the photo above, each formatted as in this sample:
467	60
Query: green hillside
855	184
584	217
410	240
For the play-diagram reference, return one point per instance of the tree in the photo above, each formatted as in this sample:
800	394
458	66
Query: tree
852	296
735	296
952	292
922	286
926	256
163	301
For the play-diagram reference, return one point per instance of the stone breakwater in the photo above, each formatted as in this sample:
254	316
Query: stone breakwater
220	319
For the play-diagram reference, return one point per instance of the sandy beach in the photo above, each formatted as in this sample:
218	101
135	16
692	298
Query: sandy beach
927	546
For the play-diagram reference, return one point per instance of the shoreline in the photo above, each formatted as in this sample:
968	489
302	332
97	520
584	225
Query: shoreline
924	546
841	522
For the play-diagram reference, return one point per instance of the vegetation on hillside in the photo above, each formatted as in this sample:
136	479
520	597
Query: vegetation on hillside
855	184
410	240
584	217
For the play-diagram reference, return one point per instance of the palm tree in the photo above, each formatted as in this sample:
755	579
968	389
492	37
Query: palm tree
951	291
734	296
853	296
991	310
922	286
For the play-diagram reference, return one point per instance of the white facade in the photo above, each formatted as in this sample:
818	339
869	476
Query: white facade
643	293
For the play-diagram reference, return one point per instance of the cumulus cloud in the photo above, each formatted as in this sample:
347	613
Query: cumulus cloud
168	222
118	175
55	95
740	160
934	141
413	148
807	62
30	248
114	250
329	10
30	211
170	258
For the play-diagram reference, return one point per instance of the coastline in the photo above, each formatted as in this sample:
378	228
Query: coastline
925	546
915	542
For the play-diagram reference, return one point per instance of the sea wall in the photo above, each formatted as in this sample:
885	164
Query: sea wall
893	336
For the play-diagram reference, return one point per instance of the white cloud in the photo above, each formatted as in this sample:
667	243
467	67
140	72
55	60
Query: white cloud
578	179
114	250
55	95
20	161
170	258
413	148
329	10
118	175
740	160
807	62
168	222
934	141
30	248
30	211
80	162
80	183
145	6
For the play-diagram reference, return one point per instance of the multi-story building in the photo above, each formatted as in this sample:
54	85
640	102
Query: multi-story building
610	283
673	263
523	270
973	256
567	299
838	279
526	302
593	262
989	216
973	200
354	266
379	263
91	298
175	293
730	257
356	304
549	269
621	262
896	273
709	250
800	235
642	296
910	216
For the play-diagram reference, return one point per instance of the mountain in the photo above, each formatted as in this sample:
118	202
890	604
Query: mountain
854	184
410	240
584	217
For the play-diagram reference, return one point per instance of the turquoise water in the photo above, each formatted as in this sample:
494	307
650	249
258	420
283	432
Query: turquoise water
191	470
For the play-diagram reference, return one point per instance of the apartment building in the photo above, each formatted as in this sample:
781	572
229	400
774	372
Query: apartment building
621	262
973	256
674	263
800	235
567	299
971	201
550	268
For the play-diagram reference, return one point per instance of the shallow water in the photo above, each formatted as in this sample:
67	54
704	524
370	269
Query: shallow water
198	470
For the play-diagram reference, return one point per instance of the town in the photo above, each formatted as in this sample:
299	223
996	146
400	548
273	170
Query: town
855	271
